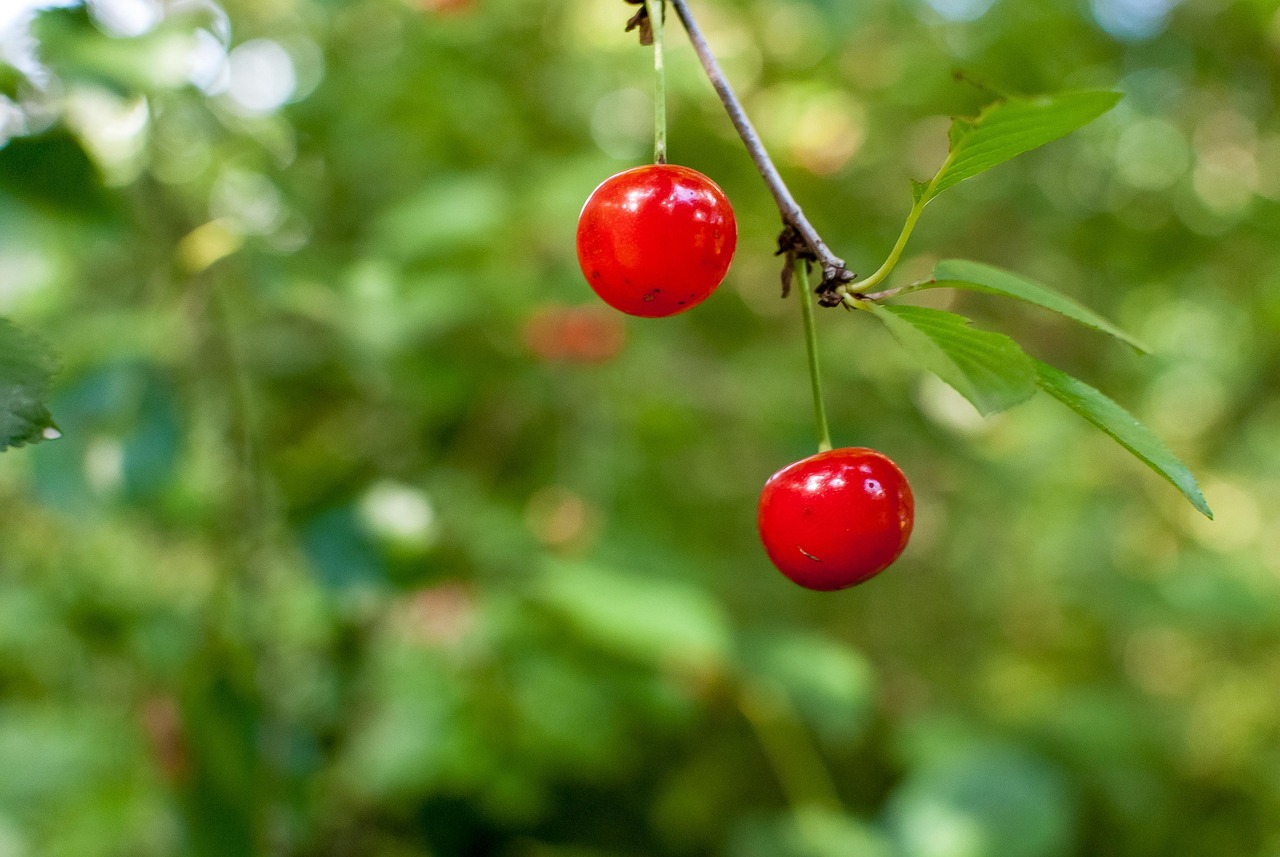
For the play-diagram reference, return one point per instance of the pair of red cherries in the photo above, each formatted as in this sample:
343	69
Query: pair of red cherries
657	240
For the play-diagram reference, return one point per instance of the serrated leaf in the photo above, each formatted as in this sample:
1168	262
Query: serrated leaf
988	369
26	368
1008	128
1123	427
974	276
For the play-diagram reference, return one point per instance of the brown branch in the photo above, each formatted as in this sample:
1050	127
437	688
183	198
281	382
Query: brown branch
809	243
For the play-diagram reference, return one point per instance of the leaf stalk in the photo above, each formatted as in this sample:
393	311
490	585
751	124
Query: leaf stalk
890	262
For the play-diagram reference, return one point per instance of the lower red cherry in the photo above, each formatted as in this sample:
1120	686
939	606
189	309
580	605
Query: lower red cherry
837	518
656	240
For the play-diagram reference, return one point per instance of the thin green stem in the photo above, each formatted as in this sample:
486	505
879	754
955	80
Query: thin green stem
811	346
656	11
862	286
897	291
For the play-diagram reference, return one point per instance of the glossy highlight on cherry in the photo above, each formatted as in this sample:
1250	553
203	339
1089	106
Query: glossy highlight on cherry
837	518
656	240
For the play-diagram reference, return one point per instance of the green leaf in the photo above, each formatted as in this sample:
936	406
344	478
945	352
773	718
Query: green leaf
26	367
962	274
988	369
1123	427
1008	128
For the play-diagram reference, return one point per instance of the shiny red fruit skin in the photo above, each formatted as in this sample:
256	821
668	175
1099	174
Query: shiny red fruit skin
656	240
837	518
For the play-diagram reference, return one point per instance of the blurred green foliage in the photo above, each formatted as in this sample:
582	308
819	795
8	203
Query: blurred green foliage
353	546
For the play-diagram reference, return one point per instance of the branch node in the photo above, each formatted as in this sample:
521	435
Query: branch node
795	246
834	279
828	298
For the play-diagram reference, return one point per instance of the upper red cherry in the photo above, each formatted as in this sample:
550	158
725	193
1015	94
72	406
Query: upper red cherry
836	518
656	240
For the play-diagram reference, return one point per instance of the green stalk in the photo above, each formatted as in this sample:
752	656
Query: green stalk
863	286
656	10
811	345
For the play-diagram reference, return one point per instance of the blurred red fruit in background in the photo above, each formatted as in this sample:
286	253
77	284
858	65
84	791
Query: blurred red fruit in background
580	334
447	7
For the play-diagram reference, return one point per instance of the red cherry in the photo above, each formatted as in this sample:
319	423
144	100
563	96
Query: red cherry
656	240
836	518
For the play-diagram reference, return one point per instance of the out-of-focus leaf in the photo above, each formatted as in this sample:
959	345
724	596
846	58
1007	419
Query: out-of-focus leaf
152	448
974	276
51	755
1207	594
11	81
415	734
26	368
52	172
451	215
830	684
810	832
986	801
988	369
1008	128
664	622
124	437
342	552
78	51
567	719
1123	427
221	721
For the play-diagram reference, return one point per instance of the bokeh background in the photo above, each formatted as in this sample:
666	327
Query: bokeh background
370	533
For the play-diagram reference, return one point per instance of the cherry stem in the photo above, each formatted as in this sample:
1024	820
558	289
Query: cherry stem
656	14
811	346
834	271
